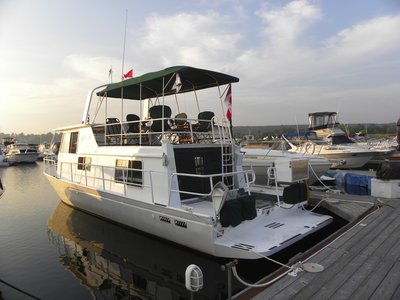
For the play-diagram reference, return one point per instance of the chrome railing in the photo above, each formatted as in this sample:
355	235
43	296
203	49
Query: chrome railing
248	176
185	133
103	178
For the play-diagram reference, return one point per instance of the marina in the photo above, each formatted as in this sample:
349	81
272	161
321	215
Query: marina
87	257
50	250
202	150
155	206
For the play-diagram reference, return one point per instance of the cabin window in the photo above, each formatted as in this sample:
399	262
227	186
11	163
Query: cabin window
129	171
84	163
64	145
199	165
73	142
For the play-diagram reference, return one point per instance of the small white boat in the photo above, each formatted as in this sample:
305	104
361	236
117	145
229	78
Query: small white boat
325	139
177	178
21	153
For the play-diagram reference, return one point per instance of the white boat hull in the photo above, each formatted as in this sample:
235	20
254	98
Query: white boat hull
22	158
179	226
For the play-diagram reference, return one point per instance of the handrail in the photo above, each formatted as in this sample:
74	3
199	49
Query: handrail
187	133
245	174
51	170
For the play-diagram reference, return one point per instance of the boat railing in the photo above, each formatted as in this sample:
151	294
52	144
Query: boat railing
247	178
176	131
99	177
103	178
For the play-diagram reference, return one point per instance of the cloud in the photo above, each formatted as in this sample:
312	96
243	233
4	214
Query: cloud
365	40
96	68
203	40
286	24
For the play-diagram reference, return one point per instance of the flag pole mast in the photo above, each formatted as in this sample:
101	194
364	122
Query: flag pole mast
123	61
123	51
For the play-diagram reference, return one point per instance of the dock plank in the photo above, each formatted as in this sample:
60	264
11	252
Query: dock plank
358	277
325	258
363	263
371	283
389	285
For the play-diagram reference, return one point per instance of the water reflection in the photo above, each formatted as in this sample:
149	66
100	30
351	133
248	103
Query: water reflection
115	262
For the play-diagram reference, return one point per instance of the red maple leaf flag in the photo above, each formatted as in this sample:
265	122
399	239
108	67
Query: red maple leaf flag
228	103
129	74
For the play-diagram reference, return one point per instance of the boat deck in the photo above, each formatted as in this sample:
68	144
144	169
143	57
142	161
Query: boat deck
362	263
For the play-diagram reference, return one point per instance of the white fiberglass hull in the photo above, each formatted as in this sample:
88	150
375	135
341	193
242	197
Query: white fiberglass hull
22	158
341	157
272	230
348	160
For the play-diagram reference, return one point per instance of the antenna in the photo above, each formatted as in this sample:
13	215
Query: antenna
122	70
123	51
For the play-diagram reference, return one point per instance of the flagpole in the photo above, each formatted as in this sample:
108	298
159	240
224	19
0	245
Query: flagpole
123	61
123	51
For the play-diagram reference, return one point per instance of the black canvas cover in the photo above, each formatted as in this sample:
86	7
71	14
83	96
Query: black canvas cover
388	170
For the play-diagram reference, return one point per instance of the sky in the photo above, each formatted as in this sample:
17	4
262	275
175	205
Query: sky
292	57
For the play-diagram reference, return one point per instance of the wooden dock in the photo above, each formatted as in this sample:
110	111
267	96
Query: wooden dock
361	263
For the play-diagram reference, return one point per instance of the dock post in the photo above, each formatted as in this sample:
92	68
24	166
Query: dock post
228	267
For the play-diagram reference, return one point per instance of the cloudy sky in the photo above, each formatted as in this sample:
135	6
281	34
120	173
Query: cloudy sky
292	57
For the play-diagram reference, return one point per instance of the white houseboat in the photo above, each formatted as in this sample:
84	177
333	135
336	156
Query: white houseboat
176	177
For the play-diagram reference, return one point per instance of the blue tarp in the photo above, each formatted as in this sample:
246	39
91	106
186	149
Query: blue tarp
357	184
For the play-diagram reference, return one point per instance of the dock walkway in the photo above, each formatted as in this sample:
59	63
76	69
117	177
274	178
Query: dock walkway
362	263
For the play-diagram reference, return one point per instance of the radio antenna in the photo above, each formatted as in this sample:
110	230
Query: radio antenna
123	51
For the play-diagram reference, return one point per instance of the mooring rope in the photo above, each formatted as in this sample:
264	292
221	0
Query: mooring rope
18	289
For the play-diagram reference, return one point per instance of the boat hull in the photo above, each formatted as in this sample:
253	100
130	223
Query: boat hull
348	160
179	226
22	158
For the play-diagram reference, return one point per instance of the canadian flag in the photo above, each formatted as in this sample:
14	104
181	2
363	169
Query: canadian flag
228	103
129	74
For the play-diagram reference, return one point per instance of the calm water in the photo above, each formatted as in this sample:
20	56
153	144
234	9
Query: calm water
53	251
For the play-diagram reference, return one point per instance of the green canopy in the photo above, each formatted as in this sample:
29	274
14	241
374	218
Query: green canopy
152	83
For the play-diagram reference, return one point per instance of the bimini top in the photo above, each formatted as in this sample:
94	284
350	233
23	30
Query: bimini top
152	83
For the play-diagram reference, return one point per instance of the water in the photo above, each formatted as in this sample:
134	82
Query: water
53	251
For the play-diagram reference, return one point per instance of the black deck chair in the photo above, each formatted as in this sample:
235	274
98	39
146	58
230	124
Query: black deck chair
133	123
205	121
113	130
156	113
180	121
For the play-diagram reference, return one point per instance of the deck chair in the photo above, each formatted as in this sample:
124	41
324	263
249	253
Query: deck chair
156	113
113	131
180	121
133	130
133	123
205	121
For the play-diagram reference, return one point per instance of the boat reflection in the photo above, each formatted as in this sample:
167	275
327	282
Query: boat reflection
116	262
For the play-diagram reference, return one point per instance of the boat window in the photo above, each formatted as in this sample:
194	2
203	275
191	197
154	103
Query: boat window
129	171
84	163
73	142
64	145
199	165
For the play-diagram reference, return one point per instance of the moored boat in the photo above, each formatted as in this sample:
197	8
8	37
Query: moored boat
324	138
21	153
177	178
